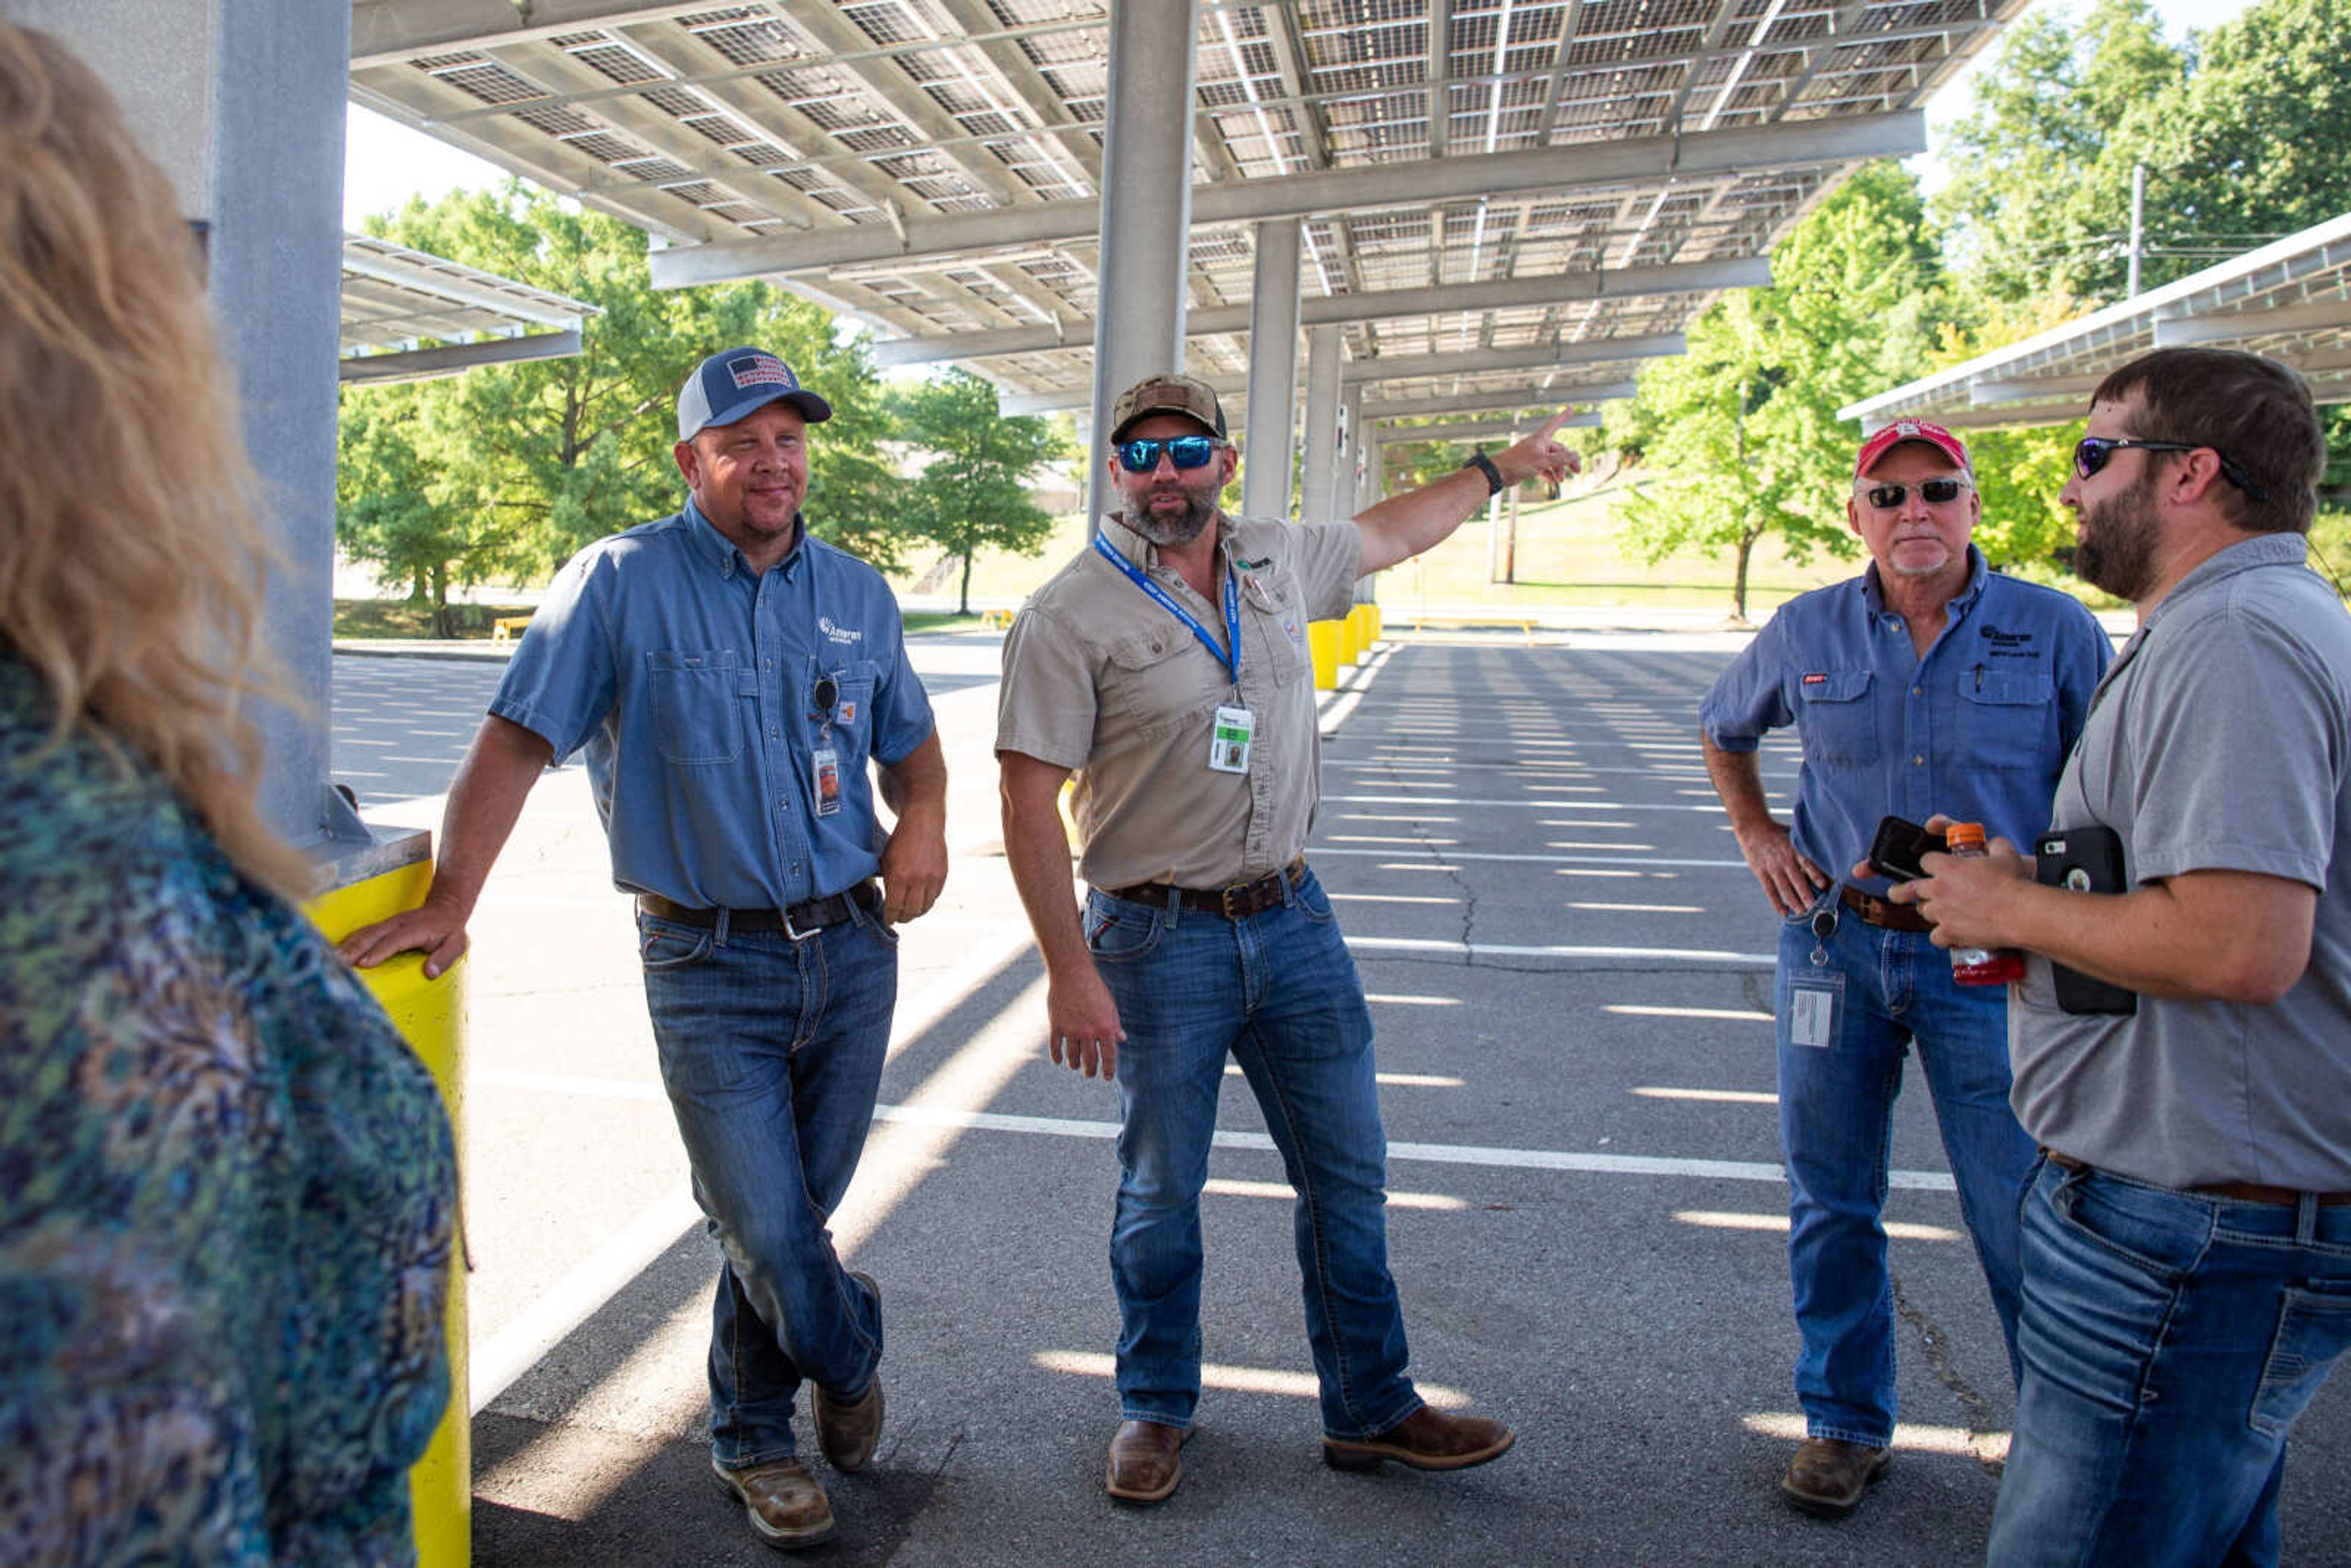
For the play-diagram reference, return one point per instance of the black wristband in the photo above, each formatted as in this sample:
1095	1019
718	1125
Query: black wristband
1495	484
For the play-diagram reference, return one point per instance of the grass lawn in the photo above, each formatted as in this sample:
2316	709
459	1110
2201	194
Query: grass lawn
1567	554
406	618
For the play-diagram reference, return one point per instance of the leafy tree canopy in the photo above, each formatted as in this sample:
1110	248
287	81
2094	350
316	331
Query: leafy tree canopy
511	469
974	490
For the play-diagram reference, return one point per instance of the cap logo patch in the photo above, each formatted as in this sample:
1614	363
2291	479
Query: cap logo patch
1907	427
759	371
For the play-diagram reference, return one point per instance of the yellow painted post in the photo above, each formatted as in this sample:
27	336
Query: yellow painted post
1379	621
1351	640
1323	641
431	1015
1360	617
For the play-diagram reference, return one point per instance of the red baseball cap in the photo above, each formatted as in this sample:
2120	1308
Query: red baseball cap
1903	429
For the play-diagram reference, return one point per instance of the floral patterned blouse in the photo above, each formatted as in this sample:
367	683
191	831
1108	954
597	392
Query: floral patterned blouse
228	1194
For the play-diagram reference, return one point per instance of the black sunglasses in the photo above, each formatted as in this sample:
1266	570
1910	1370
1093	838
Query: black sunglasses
2091	452
1141	456
1934	491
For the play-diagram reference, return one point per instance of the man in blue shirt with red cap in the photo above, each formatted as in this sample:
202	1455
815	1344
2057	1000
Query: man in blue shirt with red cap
729	678
1926	685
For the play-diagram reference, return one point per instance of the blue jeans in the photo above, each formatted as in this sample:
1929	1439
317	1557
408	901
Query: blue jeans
1278	992
1836	1111
772	1051
2170	1339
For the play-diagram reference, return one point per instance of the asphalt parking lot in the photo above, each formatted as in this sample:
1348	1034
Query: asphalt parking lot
1568	967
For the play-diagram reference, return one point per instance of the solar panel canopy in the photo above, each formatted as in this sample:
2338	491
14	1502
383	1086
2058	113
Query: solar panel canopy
1503	203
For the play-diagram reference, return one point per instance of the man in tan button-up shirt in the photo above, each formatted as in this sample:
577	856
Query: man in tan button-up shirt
1166	666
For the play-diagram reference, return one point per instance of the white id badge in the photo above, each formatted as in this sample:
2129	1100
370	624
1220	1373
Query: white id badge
1228	741
827	793
1814	1003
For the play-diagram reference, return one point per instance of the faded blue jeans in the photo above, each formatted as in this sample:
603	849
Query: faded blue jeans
1278	992
1836	1111
772	1051
2169	1340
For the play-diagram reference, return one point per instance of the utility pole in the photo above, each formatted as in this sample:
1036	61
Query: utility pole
2138	230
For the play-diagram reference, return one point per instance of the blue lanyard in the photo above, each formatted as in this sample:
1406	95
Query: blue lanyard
1232	607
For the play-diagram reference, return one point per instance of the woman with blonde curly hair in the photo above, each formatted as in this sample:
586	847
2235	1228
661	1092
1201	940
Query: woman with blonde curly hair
227	1186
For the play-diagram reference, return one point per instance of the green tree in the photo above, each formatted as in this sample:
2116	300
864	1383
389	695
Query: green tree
394	511
1743	427
974	491
2040	187
530	462
2252	147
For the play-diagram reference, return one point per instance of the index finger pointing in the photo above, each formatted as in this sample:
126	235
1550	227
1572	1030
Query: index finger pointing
1550	426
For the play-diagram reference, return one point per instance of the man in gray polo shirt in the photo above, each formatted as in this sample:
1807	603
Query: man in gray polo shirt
1167	667
2186	1241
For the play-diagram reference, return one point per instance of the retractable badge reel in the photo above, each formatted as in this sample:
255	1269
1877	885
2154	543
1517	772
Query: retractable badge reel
1815	1000
825	760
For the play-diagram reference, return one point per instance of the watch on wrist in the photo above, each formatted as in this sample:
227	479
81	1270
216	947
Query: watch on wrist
1495	484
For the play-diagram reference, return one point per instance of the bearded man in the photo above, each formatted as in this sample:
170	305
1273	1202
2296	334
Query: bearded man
1166	666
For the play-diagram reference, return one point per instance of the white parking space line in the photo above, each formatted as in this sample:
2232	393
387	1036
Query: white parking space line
1511	950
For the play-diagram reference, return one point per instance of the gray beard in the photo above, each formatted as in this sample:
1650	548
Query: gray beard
1170	533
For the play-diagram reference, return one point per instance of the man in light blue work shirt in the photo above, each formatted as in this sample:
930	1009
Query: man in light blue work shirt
729	678
1926	684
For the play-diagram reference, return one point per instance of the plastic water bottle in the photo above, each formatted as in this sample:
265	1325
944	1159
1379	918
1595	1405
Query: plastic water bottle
1980	965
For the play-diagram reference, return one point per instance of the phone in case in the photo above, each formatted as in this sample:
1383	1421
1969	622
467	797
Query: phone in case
2087	859
1900	846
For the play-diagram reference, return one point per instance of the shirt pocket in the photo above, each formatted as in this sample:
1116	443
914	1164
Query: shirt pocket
852	709
1838	720
2008	720
1155	683
696	702
1277	606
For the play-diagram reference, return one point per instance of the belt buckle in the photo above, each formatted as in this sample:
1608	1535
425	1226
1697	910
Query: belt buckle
793	932
1229	898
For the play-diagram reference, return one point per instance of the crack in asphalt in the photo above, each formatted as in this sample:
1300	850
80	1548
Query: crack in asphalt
1983	1432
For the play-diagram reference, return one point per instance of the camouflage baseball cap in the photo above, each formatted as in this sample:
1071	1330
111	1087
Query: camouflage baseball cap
1170	393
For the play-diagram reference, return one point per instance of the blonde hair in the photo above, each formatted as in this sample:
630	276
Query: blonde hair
133	558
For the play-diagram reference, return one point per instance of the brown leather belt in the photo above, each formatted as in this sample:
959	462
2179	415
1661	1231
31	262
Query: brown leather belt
1237	902
2235	1191
799	920
1878	911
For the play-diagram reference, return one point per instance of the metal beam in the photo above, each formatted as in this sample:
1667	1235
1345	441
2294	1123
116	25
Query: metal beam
1546	170
1516	401
1479	430
2010	388
1505	293
1542	356
2236	326
424	365
1545	356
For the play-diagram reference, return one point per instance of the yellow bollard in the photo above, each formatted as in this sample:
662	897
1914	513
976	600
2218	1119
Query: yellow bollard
1351	640
1360	617
431	1015
1322	641
1379	621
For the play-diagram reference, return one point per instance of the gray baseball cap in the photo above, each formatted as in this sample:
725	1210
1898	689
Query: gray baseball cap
736	383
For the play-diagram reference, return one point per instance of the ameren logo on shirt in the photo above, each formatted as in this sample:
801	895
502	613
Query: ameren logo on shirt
839	633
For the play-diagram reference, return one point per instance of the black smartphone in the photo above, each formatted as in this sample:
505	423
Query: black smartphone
2087	859
1899	847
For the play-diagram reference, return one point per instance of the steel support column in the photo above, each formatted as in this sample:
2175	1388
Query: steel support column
1146	210
1317	484
1273	371
242	102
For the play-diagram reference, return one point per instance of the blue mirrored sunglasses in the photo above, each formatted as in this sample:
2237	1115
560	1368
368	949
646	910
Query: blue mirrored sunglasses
2091	453
1141	456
